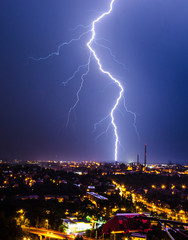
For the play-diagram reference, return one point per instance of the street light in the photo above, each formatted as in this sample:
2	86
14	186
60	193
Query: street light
47	222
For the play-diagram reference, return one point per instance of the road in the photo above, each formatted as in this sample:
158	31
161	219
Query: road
51	233
182	216
47	233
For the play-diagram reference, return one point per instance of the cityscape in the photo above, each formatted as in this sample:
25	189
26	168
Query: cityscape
93	120
61	200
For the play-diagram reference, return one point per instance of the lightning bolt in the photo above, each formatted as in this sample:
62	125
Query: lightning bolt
111	54
93	55
79	90
116	81
57	52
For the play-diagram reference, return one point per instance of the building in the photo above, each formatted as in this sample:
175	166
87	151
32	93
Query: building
127	223
138	236
74	225
95	198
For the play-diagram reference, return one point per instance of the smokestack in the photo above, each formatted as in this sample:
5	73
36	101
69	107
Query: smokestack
145	156
137	159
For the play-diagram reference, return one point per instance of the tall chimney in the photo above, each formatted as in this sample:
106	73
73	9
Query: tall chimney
137	158
145	156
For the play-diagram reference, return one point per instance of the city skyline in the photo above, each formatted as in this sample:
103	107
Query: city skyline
149	41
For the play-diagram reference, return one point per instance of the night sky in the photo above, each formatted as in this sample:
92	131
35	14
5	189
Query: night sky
149	37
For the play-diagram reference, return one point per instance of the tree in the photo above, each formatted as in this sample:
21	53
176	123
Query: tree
9	229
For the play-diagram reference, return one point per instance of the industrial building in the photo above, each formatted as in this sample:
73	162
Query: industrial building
127	223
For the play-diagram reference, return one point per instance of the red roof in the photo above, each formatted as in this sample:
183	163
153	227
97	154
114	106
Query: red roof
127	222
